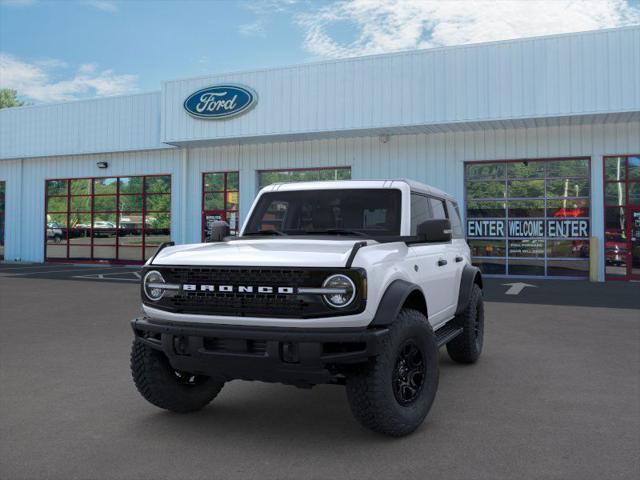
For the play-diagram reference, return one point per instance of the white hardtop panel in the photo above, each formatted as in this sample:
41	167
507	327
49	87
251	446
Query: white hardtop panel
400	184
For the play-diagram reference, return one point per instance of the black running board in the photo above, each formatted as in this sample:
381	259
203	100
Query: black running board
447	333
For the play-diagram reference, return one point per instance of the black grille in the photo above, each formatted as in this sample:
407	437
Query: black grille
232	345
252	304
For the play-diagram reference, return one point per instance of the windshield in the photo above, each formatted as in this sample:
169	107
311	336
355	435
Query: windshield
359	212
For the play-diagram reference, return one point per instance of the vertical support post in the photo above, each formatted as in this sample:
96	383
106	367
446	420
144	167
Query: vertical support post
19	254
594	259
184	195
248	190
597	219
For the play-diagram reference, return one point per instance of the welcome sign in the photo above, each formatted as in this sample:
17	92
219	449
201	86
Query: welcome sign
219	102
528	228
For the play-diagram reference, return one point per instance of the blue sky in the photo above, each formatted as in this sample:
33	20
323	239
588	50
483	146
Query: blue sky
63	50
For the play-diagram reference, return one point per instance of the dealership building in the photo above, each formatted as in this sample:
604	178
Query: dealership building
538	139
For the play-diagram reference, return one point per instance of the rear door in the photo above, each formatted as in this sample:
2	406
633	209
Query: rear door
450	272
461	249
430	264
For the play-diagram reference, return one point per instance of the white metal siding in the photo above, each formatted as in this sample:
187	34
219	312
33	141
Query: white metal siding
434	158
25	201
547	77
11	174
90	126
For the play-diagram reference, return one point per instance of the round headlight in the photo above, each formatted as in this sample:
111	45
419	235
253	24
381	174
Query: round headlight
344	291
152	285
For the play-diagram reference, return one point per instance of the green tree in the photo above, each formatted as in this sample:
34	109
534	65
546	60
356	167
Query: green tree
8	98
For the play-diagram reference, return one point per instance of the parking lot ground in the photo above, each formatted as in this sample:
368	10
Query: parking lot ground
556	394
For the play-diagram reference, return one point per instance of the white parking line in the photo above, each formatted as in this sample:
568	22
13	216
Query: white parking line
15	274
111	275
31	272
24	267
102	277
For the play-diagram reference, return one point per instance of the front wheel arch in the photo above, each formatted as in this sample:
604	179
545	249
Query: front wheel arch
398	295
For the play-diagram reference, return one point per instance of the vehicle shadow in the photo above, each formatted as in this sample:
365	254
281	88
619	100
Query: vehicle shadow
272	413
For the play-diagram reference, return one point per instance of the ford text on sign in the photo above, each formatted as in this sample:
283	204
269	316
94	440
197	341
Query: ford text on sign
220	101
534	228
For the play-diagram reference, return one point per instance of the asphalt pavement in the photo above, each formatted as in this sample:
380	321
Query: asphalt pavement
555	395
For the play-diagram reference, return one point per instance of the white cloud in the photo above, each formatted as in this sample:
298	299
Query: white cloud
388	25
252	29
269	6
51	63
36	81
104	5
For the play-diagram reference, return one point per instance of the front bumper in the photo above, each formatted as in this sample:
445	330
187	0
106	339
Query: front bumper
301	357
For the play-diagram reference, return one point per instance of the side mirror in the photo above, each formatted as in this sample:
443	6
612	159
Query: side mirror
217	231
434	231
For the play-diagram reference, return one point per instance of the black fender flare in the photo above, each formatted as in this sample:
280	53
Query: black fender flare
470	275
392	302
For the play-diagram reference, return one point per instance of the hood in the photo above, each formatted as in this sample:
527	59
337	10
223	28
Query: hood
261	252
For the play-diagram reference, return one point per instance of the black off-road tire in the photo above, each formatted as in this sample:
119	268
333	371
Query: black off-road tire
372	389
467	347
164	387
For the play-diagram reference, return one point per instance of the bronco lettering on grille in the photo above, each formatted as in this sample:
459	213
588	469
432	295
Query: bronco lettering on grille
190	287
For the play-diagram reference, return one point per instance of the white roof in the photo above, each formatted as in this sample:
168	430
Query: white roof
351	184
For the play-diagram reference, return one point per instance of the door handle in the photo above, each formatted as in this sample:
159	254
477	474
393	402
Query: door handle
459	259
442	262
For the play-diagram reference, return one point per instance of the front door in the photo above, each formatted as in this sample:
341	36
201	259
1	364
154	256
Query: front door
633	262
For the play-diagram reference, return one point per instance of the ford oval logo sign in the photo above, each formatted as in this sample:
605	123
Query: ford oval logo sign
220	101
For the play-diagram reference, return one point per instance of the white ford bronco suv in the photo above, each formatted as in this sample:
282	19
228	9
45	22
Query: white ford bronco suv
354	283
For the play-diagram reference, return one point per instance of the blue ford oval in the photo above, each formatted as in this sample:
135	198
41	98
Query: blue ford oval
220	101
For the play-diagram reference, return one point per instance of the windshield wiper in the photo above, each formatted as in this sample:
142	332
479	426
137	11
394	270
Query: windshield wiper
336	231
264	232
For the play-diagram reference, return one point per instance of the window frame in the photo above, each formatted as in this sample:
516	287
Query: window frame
224	193
627	206
92	215
506	199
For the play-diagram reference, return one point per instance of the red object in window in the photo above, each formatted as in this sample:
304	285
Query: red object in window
570	212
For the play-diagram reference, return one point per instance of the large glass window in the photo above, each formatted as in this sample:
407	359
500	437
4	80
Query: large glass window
267	177
529	217
371	212
220	199
107	219
2	210
622	217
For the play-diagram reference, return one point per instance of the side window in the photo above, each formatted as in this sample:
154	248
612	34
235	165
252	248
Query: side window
437	207
274	216
419	211
454	216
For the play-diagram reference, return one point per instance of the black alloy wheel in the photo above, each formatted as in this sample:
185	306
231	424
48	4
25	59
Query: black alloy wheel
408	374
